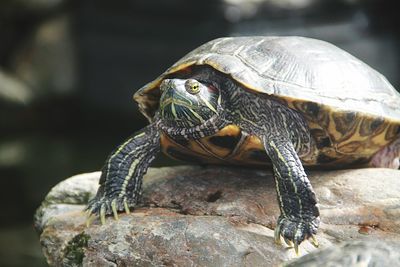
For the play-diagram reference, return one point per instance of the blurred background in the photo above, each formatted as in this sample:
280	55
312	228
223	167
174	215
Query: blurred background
68	69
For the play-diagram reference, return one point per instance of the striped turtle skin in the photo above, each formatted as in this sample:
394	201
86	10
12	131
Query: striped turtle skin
287	103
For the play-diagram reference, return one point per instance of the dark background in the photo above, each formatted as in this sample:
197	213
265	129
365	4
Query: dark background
68	70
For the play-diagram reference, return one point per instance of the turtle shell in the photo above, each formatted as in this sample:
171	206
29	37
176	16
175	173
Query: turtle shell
350	107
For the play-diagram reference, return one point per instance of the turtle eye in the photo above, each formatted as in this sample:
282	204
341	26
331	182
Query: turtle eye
192	86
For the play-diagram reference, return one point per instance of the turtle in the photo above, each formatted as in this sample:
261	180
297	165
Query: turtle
288	103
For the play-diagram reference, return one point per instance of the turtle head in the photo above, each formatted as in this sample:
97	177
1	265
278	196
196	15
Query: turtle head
188	102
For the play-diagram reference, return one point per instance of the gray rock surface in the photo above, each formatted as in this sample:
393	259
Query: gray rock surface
352	253
214	216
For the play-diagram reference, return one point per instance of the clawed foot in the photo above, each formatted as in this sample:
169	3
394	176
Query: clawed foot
102	206
296	230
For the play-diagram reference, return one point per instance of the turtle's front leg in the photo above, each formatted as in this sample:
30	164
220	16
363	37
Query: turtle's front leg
299	219
122	174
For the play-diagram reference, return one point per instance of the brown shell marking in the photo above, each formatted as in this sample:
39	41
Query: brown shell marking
345	136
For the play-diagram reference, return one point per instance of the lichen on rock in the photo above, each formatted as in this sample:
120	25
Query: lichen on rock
74	251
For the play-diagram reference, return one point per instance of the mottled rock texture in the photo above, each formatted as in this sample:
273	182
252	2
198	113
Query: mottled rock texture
353	253
213	216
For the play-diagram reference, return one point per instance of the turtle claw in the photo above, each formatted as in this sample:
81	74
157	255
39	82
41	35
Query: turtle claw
114	209
89	218
288	242
294	231
277	234
314	241
296	248
101	207
126	207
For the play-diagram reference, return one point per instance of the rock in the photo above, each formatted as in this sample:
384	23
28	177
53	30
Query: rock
213	216
355	253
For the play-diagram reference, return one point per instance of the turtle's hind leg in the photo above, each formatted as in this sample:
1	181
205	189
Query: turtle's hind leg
122	174
388	157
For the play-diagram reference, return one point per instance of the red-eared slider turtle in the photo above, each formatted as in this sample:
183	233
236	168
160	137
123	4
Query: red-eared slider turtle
286	101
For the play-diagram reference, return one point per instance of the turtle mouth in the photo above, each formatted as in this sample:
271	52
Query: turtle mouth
172	101
182	114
